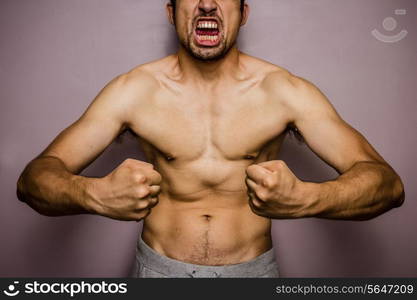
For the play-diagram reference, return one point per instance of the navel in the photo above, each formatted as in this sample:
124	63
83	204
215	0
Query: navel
206	217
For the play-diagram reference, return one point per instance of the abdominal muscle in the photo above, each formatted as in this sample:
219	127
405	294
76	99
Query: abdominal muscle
214	227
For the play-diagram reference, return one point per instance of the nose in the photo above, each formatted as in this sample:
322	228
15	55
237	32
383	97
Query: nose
207	6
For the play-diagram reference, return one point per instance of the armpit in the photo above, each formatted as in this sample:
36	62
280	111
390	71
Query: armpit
293	131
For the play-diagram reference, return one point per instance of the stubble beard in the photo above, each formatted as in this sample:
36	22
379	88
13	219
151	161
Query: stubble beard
205	53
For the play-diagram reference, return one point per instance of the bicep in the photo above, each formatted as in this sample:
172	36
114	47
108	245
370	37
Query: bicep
80	143
326	133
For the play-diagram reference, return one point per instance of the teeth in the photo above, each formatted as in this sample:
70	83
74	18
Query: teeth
209	25
208	37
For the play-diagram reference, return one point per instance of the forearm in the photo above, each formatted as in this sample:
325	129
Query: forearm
50	189
365	191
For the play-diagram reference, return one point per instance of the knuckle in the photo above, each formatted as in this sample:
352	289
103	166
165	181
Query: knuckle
256	203
268	182
142	205
139	177
156	189
145	191
158	178
262	194
128	161
280	164
248	170
142	191
153	201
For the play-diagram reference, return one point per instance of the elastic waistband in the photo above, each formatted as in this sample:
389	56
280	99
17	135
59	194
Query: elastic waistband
165	265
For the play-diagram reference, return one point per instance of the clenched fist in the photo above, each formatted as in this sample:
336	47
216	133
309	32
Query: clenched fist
274	191
128	193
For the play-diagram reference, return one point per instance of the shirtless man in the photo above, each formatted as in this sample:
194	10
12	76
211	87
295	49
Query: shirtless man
211	121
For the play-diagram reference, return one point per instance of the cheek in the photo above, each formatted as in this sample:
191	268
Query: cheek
182	30
181	22
233	25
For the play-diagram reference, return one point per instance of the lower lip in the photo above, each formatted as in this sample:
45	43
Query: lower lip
202	41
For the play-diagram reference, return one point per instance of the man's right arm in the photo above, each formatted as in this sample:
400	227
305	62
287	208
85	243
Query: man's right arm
51	186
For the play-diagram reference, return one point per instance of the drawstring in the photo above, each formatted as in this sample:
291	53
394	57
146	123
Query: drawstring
216	275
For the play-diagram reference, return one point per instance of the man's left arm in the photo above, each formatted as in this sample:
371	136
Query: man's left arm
367	185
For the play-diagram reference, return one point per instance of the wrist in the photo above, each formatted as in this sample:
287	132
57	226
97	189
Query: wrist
316	197
88	195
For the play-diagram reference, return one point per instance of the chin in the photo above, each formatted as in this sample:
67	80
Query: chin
207	57
208	54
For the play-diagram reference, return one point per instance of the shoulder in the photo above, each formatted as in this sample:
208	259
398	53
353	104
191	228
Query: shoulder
283	83
144	77
148	78
289	91
139	79
276	79
134	86
125	93
297	94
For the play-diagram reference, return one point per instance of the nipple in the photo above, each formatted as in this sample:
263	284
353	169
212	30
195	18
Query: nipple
169	157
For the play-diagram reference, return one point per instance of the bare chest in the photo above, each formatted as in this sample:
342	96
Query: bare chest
195	126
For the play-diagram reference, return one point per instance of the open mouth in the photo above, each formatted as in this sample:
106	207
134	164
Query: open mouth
207	32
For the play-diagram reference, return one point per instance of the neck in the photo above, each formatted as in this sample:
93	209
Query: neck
208	71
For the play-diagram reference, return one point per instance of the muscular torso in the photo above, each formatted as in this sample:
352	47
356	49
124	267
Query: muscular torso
201	140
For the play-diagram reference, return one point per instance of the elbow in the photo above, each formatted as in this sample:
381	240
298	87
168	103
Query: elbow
398	192
28	190
20	189
392	188
23	194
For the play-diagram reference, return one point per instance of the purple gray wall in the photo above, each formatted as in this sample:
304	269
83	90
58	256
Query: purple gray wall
55	56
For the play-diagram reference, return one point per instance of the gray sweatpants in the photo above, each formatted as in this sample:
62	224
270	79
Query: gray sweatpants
151	264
